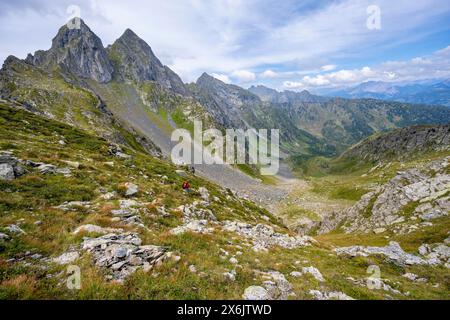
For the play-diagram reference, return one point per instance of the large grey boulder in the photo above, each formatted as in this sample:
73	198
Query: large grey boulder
255	293
6	172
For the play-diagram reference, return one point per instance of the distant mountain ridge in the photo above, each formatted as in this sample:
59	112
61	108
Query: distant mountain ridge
343	122
429	92
272	95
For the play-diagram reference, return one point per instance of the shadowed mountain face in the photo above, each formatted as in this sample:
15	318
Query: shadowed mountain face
227	103
133	60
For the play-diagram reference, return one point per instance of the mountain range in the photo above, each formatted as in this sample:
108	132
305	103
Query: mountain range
431	92
126	84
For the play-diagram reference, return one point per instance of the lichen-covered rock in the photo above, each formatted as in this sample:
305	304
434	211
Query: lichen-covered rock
264	236
256	293
314	272
6	172
439	254
195	220
383	208
66	258
90	228
123	254
10	167
334	295
275	287
195	226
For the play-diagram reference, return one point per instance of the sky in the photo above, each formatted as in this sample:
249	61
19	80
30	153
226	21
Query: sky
284	44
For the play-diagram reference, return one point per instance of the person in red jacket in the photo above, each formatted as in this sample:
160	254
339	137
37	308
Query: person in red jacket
186	186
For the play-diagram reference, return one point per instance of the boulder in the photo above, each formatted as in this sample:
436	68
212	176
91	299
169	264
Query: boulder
66	258
15	229
204	193
131	189
255	293
181	173
90	228
314	272
6	172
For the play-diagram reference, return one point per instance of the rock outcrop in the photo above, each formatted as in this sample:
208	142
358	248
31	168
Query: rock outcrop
10	167
402	143
264	236
400	205
123	254
430	255
275	287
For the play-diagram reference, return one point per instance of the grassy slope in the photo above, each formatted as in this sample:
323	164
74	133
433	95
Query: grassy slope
32	196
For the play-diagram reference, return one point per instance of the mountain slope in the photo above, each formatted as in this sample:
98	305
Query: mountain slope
49	94
72	206
401	143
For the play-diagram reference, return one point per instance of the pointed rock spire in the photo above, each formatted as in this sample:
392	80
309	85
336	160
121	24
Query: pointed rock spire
135	61
78	51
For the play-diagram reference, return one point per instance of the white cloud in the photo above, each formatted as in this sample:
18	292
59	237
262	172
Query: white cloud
316	81
333	78
243	75
434	66
268	74
328	67
293	85
222	77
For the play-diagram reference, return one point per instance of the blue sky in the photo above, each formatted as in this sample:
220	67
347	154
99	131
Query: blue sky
284	44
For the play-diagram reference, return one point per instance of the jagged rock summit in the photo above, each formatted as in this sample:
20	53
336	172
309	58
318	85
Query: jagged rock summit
79	52
76	51
134	60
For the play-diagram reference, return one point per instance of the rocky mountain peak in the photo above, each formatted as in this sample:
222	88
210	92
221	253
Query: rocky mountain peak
135	61
77	51
208	79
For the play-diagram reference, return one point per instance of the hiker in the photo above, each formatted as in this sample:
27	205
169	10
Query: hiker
186	187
